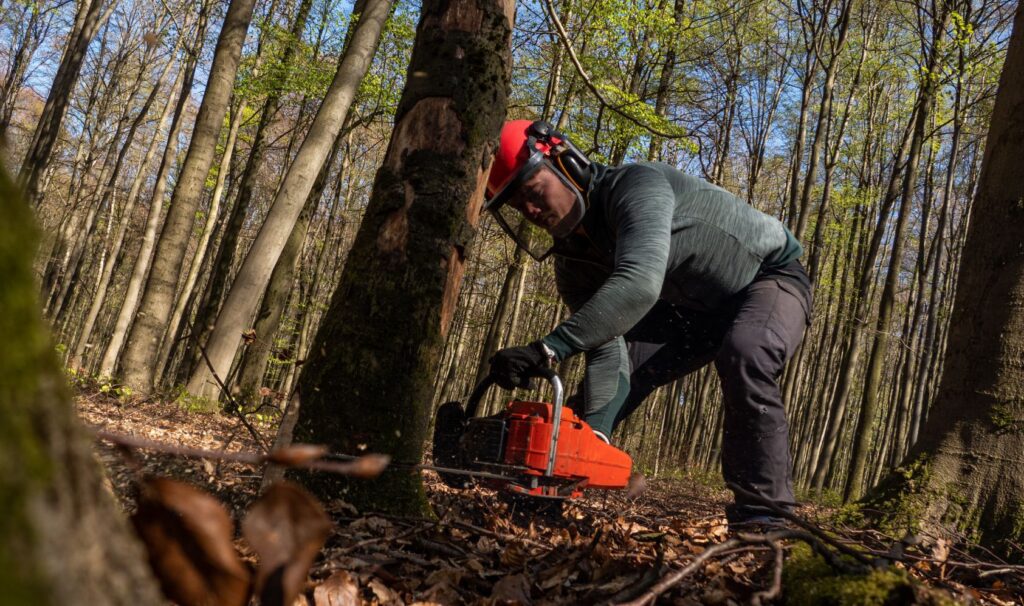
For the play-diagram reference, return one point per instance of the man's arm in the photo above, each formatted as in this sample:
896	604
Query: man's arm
640	210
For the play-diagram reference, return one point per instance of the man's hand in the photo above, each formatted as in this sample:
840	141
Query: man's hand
514	366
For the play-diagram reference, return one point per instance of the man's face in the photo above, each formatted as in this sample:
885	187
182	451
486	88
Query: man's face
544	200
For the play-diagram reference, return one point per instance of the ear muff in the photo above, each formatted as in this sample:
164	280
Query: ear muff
564	156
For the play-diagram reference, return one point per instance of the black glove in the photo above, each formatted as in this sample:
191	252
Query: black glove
514	366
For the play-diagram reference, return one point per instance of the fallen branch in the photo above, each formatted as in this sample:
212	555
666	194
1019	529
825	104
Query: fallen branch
303	456
802	523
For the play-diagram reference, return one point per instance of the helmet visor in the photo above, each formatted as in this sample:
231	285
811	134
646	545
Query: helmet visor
536	241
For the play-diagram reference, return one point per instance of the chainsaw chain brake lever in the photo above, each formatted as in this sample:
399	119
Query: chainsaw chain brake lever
556	383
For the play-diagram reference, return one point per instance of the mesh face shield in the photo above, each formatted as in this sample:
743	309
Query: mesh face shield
536	241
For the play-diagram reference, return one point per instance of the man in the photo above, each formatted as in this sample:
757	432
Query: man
664	273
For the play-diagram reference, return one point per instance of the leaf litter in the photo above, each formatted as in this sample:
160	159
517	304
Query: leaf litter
481	548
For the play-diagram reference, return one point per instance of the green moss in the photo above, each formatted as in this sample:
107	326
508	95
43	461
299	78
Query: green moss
809	580
899	502
1006	420
29	380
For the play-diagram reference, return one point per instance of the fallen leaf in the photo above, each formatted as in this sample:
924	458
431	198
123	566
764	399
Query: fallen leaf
297	454
368	466
512	589
286	527
340	589
941	550
188	536
383	593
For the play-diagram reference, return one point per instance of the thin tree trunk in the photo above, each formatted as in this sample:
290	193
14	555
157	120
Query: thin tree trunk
253	276
869	406
99	296
138	360
92	14
140	270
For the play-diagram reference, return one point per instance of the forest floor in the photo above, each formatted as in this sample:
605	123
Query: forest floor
604	548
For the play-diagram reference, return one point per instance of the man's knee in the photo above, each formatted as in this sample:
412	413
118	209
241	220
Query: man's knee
751	353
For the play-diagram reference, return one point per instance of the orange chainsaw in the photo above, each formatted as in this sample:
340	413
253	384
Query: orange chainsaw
530	448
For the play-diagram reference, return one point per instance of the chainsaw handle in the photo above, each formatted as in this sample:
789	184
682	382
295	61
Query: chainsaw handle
548	374
556	383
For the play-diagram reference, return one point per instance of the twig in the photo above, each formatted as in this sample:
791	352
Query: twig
772	592
667	582
811	528
567	44
235	408
363	466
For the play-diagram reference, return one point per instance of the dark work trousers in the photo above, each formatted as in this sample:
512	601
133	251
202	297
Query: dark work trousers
750	342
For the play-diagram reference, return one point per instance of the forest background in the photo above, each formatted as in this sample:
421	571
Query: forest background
860	124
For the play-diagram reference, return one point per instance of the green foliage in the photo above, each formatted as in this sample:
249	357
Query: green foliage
1007	420
196	404
81	379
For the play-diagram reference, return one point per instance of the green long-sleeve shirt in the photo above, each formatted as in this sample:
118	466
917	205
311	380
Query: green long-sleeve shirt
650	233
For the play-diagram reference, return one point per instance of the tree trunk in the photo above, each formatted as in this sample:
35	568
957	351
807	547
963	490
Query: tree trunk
91	16
226	252
99	296
62	537
138	360
142	262
966	468
869	406
254	361
368	382
251	282
196	265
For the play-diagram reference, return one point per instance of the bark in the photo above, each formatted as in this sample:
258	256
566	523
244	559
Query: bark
126	314
253	276
968	459
138	360
62	537
92	14
369	377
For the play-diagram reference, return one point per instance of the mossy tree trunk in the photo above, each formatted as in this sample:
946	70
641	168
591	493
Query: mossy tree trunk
62	538
367	384
965	472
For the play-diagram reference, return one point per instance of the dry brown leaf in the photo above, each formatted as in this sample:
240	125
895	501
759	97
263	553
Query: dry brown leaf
512	589
340	589
369	466
297	454
383	593
286	527
188	535
941	550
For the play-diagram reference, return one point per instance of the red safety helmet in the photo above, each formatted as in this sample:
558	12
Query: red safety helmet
524	147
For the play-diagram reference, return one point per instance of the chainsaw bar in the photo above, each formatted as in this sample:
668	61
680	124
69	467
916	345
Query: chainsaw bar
420	467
